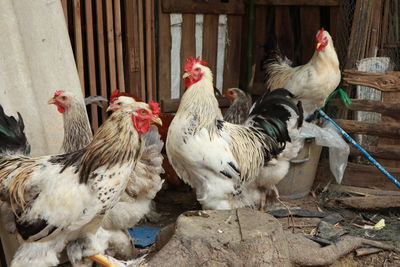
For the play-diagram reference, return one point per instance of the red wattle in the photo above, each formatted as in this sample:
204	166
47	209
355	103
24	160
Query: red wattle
60	108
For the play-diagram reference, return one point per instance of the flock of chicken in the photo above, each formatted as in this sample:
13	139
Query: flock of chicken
83	201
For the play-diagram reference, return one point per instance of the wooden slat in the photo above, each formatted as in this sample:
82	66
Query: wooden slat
359	175
284	31
164	55
369	128
132	55
210	42
204	7
233	50
381	152
334	21
91	61
78	43
188	45
298	2
309	25
260	39
171	105
149	50
111	45
118	44
101	54
389	82
140	11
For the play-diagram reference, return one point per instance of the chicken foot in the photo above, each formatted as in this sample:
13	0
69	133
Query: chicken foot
101	259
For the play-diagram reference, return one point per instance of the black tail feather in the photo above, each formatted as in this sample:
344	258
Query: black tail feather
12	136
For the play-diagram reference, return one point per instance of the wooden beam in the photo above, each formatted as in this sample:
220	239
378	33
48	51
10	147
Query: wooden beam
91	61
369	128
209	7
111	45
118	45
149	48
64	4
171	105
188	43
210	42
164	55
362	190
78	43
101	54
381	152
141	30
298	2
384	108
389	82
309	26
232	66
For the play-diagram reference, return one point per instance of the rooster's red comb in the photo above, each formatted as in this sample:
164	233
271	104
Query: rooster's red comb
191	61
59	92
319	35
155	108
114	96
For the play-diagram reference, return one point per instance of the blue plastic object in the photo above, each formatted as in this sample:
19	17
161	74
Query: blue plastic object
366	154
144	236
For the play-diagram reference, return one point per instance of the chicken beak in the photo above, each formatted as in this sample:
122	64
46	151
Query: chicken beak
109	108
185	75
51	101
318	45
157	120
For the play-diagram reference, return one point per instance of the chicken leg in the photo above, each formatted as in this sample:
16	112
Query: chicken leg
101	259
263	201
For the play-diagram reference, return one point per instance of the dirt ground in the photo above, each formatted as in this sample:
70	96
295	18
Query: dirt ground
173	201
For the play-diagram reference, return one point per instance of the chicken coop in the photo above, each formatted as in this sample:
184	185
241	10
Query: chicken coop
140	46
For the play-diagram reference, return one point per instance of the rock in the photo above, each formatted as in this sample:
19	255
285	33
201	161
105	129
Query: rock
225	238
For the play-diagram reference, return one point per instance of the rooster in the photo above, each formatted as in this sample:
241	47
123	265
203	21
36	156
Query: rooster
238	111
58	199
118	99
217	158
311	83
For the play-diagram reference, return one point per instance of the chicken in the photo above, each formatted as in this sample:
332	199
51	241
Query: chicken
58	199
311	83
117	99
217	158
238	111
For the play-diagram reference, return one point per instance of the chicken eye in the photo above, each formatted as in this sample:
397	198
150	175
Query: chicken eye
197	69
63	97
143	112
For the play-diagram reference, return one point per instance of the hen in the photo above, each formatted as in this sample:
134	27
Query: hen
238	111
220	159
311	83
57	199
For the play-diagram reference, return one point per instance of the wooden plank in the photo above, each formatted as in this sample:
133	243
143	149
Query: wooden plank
384	108
91	61
132	55
362	190
334	22
389	82
204	7
369	128
284	31
149	46
210	42
171	105
101	54
359	175
233	49
141	31
364	203
260	39
389	152
298	2
118	44
78	43
188	44
375	29
309	26
111	45
164	55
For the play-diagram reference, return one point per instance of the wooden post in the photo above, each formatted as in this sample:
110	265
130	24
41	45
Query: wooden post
118	41
111	45
78	43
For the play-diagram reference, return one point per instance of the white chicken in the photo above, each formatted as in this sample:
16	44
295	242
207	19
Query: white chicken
311	83
217	158
58	199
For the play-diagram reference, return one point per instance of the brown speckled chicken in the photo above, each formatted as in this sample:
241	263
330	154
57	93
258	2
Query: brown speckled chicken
238	111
